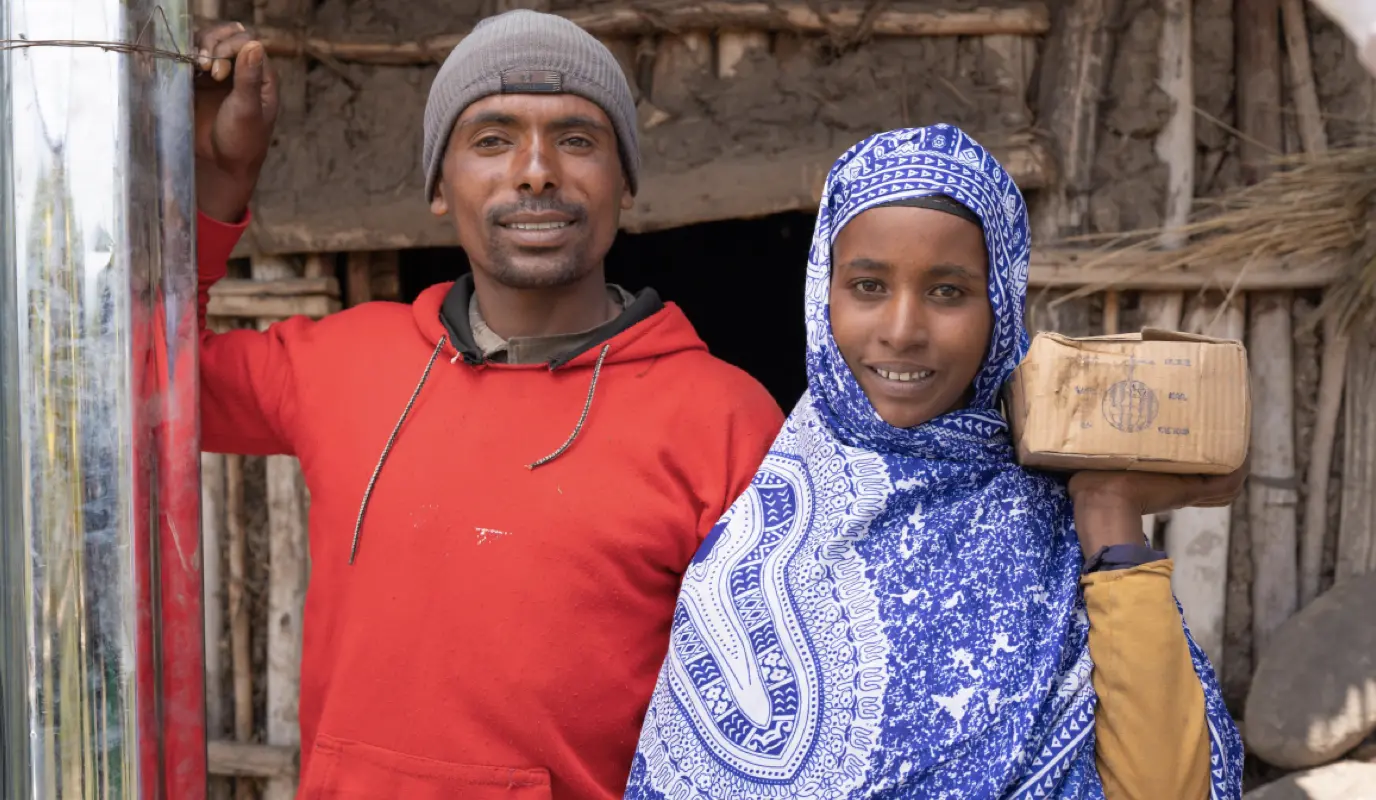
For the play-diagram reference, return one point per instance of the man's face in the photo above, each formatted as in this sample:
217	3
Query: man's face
535	187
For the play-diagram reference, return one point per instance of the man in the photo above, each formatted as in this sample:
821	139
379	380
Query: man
508	478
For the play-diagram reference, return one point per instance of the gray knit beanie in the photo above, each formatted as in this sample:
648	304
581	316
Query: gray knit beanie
526	52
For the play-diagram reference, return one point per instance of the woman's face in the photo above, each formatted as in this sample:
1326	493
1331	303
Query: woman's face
910	309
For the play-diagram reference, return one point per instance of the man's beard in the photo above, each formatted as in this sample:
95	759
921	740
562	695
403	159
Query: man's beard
550	269
540	269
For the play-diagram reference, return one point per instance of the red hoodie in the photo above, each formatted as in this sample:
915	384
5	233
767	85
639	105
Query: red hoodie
500	631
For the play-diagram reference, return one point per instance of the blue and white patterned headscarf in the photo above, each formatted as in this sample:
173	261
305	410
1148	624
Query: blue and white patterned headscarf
892	612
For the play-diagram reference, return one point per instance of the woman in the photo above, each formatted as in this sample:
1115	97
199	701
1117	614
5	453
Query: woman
894	608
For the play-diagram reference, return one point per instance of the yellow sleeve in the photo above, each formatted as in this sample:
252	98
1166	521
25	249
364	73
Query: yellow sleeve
1152	735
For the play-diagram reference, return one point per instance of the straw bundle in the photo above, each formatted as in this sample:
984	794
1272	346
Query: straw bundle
1312	207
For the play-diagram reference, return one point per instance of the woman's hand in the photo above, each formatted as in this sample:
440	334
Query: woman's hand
236	107
1109	505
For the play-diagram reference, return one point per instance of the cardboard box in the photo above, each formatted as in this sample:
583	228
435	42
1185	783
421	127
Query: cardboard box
1158	401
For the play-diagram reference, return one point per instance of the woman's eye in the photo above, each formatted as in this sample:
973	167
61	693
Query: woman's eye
947	291
869	287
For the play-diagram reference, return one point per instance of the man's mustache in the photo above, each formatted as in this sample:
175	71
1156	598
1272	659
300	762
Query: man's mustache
573	211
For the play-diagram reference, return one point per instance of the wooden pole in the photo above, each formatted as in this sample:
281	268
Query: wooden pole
322	284
1198	538
251	760
1357	528
214	536
1306	347
272	307
312	296
1073	79
1272	494
616	19
1334	364
1257	27
287	577
386	283
1066	268
286	522
358	279
1112	308
213	510
1175	145
287	538
372	276
1333	358
1075	73
1303	92
1163	311
1272	489
1356	551
287	554
240	656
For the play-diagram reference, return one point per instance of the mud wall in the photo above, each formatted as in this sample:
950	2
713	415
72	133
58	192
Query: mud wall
352	147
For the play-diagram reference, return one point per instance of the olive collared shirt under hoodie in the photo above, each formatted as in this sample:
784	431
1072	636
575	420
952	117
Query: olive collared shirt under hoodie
536	349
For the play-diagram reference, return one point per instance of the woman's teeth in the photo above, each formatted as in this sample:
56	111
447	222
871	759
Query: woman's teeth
903	376
536	226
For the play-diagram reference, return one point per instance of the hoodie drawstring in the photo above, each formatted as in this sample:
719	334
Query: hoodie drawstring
386	451
392	440
587	406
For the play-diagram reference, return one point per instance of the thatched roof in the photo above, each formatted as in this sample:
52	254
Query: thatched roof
1310	209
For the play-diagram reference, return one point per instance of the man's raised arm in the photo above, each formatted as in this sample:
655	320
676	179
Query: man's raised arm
247	381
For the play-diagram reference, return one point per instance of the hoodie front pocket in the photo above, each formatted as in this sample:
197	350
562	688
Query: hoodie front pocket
345	770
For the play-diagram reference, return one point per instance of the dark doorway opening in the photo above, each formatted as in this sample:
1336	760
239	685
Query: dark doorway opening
740	282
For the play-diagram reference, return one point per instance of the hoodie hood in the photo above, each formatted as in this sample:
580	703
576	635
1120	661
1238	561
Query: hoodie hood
647	328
